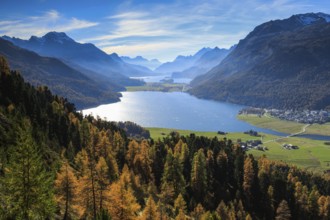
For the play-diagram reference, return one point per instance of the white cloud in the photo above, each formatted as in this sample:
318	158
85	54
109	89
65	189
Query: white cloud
185	26
129	15
165	31
40	25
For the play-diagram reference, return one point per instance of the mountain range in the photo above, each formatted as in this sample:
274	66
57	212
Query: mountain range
81	72
59	77
88	56
141	61
206	62
280	64
181	62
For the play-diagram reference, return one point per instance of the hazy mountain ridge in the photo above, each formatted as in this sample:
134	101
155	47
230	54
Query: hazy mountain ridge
282	64
59	77
206	62
59	45
141	61
181	62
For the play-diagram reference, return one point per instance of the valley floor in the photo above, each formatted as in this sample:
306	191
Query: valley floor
288	127
313	155
159	87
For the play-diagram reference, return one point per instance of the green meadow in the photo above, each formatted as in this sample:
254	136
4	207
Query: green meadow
284	126
159	87
312	155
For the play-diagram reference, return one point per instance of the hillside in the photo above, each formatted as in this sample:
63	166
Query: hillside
59	77
57	164
280	64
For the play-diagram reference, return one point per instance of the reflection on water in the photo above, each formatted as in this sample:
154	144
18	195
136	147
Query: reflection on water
175	110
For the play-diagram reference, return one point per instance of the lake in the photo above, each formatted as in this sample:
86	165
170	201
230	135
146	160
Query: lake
175	110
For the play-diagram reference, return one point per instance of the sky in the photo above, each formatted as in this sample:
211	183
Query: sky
161	29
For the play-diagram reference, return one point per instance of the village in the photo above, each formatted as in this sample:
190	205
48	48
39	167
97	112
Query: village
258	144
303	116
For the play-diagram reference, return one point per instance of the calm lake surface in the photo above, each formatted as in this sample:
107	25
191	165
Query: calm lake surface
175	110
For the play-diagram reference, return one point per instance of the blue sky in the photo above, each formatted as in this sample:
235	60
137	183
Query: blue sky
154	28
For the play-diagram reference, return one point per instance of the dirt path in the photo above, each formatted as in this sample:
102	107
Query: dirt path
303	130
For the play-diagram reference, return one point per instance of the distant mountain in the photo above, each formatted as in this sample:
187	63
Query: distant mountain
181	62
205	63
88	56
281	64
141	61
59	77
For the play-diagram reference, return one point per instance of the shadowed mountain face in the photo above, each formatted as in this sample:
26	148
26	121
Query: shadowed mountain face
281	64
59	77
87	56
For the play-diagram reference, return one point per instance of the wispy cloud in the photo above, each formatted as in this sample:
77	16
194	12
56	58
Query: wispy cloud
169	28
39	25
160	29
184	26
284	6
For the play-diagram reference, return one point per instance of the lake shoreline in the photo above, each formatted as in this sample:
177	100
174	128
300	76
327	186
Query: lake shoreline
175	110
312	131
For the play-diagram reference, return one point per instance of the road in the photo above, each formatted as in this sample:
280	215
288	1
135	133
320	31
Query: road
303	130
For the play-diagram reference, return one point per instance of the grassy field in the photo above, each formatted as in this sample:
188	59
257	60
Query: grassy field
287	127
323	129
162	132
160	87
312	155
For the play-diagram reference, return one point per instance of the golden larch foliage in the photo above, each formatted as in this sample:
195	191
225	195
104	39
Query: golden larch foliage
248	175
66	185
150	212
122	204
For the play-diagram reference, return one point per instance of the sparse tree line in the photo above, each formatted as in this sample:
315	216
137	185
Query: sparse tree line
57	164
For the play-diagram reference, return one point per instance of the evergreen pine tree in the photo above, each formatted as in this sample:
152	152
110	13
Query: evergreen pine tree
26	186
173	176
199	176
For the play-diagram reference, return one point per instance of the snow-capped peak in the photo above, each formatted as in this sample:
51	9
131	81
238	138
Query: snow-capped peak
311	18
325	16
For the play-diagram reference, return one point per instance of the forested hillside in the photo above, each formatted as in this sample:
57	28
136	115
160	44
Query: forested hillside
60	78
55	163
281	64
